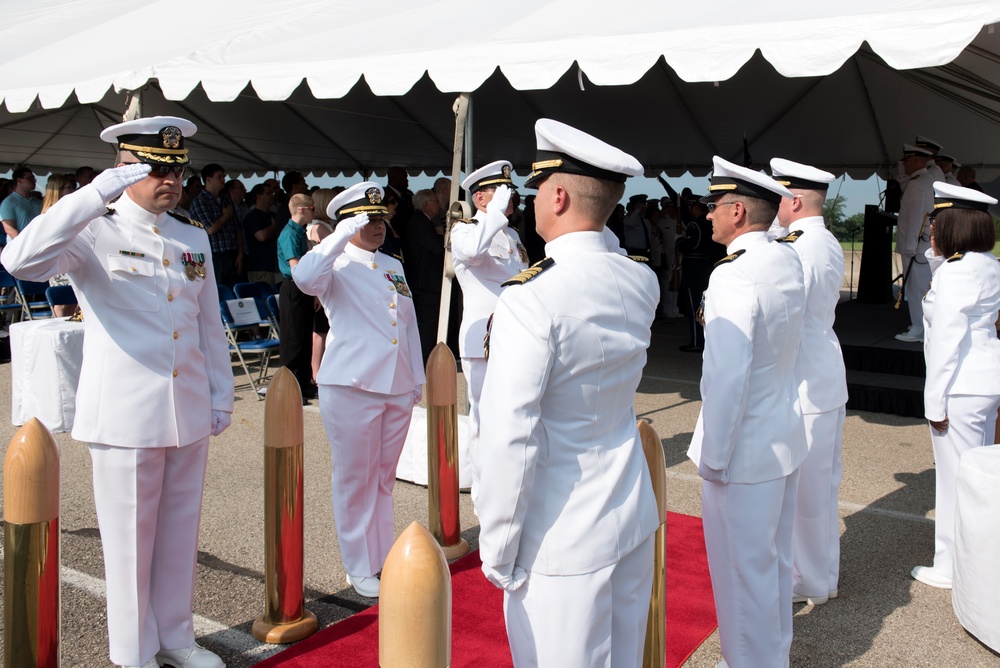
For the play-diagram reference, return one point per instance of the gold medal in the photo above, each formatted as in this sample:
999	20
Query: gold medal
189	271
200	270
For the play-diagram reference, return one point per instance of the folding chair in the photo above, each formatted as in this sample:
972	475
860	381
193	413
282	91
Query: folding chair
259	292
262	347
272	308
7	283
60	295
28	293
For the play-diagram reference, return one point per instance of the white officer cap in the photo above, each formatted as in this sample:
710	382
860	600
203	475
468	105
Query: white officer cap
944	157
796	175
947	195
363	197
562	148
729	178
157	140
911	150
928	144
492	175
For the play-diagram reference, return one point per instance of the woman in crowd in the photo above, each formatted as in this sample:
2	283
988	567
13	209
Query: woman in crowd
56	187
962	390
371	376
319	229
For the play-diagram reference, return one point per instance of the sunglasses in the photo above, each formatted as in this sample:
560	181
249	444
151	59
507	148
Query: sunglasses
161	171
307	208
713	205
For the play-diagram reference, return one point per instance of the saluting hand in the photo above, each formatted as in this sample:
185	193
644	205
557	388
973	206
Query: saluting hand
353	224
501	198
112	182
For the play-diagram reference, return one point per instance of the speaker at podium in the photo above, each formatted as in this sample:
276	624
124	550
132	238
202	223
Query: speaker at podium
875	275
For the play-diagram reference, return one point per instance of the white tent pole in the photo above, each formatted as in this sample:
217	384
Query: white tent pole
133	106
463	139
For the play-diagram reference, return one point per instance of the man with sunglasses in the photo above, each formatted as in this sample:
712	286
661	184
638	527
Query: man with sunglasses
156	379
749	440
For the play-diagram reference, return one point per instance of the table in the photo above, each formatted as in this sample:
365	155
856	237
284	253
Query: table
45	360
412	465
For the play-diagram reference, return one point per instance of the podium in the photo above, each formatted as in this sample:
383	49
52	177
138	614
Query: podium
875	275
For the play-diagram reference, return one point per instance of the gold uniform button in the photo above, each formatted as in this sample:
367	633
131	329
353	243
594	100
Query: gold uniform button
393	323
392	287
170	298
175	373
175	336
156	230
394	342
166	262
374	266
392	305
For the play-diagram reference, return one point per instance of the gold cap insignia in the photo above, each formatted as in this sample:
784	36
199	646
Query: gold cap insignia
373	196
506	171
171	136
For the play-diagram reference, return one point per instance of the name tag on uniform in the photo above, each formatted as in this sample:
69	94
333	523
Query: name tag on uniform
398	282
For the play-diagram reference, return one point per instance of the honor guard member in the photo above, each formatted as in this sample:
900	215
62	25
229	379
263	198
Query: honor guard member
822	383
156	380
371	375
913	237
565	499
486	253
962	390
749	440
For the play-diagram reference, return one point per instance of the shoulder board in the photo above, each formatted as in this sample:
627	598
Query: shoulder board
398	256
529	273
638	258
956	257
730	257
791	238
471	221
186	221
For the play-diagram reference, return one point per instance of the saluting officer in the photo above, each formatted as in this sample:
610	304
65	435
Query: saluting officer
156	380
822	382
371	376
486	253
565	501
962	390
749	440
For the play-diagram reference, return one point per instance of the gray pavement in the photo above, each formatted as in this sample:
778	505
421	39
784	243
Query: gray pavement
882	617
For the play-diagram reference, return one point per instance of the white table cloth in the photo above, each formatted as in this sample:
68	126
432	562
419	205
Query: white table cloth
976	583
413	461
45	359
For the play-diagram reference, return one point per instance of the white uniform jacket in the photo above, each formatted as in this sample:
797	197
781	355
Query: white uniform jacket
373	343
750	422
564	487
960	341
155	356
485	255
820	363
917	202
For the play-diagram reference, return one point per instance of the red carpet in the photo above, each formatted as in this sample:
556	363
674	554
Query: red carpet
478	636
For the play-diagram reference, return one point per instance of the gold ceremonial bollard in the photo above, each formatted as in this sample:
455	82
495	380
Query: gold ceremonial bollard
31	549
285	618
414	610
654	654
442	452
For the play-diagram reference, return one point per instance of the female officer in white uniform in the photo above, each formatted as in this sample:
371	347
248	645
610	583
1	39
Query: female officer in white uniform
962	390
371	376
486	252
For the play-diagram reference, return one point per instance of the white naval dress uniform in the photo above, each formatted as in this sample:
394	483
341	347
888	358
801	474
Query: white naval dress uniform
750	434
565	496
912	239
962	353
485	255
822	397
367	378
155	365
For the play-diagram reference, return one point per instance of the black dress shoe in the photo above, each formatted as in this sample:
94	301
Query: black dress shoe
692	349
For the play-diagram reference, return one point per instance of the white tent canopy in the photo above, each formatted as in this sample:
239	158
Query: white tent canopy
349	86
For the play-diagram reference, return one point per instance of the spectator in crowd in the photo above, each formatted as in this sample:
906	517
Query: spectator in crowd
442	188
18	209
237	192
56	187
398	184
392	244
296	307
700	253
967	178
261	234
319	229
638	233
423	248
218	215
84	175
292	183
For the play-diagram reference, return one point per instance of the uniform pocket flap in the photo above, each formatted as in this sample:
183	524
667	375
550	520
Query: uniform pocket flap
133	266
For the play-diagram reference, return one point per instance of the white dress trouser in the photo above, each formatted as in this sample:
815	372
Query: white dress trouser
816	532
971	423
594	620
475	371
918	282
748	538
366	431
148	508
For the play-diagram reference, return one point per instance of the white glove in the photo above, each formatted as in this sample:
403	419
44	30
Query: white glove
112	182
501	198
510	582
220	421
352	225
713	475
418	394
